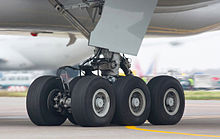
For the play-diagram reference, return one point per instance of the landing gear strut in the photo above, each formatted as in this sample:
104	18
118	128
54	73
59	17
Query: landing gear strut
99	96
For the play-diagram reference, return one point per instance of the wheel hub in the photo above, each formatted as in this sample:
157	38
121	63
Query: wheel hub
135	102
170	101
99	102
58	102
54	101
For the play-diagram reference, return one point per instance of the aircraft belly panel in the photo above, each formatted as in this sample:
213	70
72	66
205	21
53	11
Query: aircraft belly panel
123	25
39	15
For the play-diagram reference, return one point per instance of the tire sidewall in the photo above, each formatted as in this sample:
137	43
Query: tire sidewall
37	101
96	84
164	86
125	86
82	106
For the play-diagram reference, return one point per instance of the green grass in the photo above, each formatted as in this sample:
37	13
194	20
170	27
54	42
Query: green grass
190	95
202	95
12	94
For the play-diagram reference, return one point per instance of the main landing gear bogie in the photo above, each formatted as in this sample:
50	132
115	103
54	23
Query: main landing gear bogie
99	100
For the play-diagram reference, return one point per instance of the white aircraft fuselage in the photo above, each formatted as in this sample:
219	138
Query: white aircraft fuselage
171	17
40	53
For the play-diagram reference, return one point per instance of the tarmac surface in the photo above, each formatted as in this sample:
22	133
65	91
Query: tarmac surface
201	120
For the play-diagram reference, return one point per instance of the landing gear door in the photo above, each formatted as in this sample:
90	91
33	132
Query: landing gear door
123	25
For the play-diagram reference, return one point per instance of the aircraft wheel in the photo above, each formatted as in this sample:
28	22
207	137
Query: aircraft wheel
71	86
40	96
93	101
132	101
71	119
168	101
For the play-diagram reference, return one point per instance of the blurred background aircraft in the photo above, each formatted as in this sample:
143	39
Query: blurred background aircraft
24	58
40	53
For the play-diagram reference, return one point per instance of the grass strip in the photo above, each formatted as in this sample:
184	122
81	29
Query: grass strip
189	95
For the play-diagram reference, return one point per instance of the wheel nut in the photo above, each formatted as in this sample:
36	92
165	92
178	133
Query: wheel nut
99	102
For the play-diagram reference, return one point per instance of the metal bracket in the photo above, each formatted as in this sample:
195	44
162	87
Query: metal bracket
86	4
72	19
80	5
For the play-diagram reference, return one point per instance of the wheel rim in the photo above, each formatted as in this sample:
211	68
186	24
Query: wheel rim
137	102
54	101
171	101
101	102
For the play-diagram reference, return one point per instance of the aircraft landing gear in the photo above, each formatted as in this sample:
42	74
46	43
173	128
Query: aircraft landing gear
98	100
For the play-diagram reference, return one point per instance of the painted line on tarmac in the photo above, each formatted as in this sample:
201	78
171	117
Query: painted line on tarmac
168	132
201	117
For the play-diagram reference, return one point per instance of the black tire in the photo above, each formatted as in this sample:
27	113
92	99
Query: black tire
123	87
37	102
71	86
82	101
71	119
158	87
